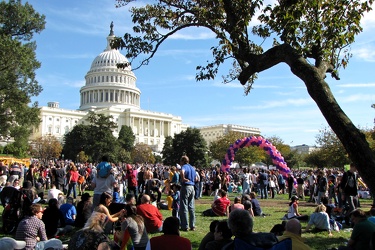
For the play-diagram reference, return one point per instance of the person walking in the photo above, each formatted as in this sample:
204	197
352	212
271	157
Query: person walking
187	205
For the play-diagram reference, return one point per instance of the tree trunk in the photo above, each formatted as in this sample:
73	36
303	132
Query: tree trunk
351	137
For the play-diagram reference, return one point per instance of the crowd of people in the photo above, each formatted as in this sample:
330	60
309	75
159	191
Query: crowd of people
131	218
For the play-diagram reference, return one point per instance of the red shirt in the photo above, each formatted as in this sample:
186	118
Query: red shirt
74	176
151	215
220	206
170	242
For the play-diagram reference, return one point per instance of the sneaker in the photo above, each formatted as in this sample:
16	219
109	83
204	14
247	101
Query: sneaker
192	229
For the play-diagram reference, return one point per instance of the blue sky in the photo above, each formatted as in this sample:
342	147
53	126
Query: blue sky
278	105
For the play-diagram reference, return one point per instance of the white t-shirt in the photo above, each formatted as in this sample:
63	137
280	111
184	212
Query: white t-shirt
53	193
104	184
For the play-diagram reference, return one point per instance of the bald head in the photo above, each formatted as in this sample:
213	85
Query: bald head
293	226
145	199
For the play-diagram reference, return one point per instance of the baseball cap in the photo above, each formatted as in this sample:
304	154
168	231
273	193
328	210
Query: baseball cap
7	243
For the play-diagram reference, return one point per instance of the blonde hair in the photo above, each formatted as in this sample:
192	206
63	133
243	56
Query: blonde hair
320	208
96	222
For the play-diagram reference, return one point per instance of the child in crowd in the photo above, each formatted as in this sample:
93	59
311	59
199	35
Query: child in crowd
116	195
239	188
175	193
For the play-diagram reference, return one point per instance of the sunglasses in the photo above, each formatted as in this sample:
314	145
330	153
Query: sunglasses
42	211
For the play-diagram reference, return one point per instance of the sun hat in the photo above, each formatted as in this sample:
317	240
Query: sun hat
7	243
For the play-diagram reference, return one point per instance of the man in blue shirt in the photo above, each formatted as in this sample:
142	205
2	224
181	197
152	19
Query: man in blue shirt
187	178
69	211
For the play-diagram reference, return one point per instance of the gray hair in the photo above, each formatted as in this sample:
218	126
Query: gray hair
240	222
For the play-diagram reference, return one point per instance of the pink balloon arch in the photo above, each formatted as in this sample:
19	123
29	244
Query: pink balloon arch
262	143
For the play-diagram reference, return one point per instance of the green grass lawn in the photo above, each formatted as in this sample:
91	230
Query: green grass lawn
275	208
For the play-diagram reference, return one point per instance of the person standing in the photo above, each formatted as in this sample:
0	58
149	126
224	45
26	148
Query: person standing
101	185
72	182
349	187
300	187
311	179
322	186
187	205
263	184
3	174
290	181
59	174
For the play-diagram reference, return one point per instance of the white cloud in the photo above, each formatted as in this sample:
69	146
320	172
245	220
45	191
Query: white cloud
279	103
368	21
192	34
365	52
357	85
358	97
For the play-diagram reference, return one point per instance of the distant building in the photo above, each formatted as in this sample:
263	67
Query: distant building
112	92
304	149
212	133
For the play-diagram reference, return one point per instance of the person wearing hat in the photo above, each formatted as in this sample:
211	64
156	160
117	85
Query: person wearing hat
7	243
32	229
84	209
293	210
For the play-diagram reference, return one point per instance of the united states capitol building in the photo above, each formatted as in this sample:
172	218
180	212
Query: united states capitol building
111	91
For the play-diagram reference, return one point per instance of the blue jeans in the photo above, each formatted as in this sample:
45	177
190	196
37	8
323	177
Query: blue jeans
263	192
187	206
72	185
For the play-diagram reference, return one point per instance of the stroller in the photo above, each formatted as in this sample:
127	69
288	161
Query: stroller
11	200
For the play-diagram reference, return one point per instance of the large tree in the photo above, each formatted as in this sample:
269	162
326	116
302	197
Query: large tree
189	142
95	139
311	37
46	148
18	24
126	138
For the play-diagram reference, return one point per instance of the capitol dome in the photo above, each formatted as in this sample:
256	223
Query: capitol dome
108	86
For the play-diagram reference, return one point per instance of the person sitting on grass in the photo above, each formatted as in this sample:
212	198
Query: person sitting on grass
210	236
241	224
105	201
236	204
255	205
171	239
320	220
293	231
84	210
152	217
293	212
362	233
92	236
220	207
133	228
222	236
